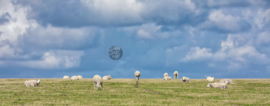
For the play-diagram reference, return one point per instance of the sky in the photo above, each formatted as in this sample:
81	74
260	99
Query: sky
197	38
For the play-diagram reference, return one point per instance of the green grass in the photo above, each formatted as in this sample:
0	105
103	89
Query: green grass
155	92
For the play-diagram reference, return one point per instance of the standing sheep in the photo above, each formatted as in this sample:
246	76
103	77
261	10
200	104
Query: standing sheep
185	79
165	75
210	79
74	78
32	83
80	77
97	80
217	85
175	74
137	75
66	77
228	81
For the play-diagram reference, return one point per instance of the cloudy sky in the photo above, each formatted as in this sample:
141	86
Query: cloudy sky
198	38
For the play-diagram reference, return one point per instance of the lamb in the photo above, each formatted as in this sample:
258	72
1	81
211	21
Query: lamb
210	79
175	74
97	80
107	77
217	85
167	78
74	78
137	75
66	77
31	83
80	77
228	81
165	75
185	79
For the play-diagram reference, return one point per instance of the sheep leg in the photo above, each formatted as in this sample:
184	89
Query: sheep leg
94	86
138	78
102	86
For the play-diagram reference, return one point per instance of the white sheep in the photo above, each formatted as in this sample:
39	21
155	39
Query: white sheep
217	85
210	79
97	80
32	83
175	74
165	75
167	78
80	77
66	77
137	75
107	77
185	79
74	78
228	81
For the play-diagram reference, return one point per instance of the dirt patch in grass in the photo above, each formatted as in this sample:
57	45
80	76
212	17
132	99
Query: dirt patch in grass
152	91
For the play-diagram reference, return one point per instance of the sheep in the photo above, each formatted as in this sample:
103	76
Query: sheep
74	78
175	75
228	81
167	78
210	79
107	77
66	77
217	85
80	77
31	83
165	75
185	79
137	75
97	80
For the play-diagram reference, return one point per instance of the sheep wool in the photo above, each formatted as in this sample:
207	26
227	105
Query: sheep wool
175	75
210	79
97	80
165	75
107	77
74	78
66	77
217	85
31	82
228	81
80	77
167	78
137	75
185	79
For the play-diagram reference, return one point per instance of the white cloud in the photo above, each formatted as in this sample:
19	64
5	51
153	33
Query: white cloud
225	21
20	30
197	53
55	59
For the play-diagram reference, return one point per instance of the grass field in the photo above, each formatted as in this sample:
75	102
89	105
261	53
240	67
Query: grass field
155	92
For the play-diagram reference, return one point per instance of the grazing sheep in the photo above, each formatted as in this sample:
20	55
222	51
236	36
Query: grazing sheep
107	77
165	75
66	77
185	79
228	81
80	77
32	83
217	85
74	78
175	74
210	79
167	78
97	80
137	75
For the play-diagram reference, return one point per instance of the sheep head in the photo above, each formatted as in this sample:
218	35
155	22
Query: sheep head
38	81
208	85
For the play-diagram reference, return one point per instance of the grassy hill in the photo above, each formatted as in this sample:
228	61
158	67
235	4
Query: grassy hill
116	92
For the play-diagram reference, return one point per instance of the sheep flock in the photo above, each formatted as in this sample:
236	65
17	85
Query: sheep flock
98	80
